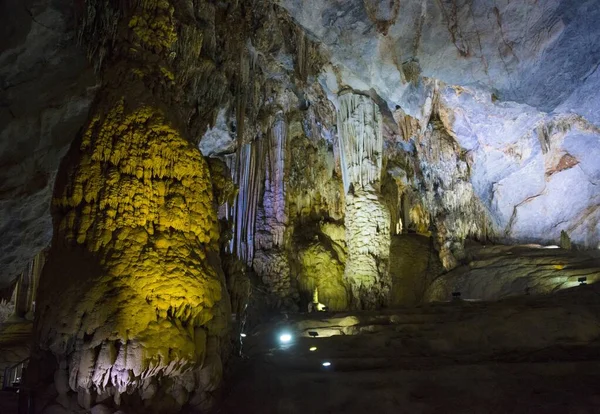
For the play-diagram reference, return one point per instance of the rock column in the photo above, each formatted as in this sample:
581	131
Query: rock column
132	305
272	260
367	220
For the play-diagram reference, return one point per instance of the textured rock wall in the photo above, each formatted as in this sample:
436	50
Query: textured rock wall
447	193
497	272
414	265
523	164
46	91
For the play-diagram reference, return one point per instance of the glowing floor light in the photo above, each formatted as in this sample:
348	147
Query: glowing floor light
326	364
243	335
312	348
285	338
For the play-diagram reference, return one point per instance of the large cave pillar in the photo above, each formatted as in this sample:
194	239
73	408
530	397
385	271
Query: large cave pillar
271	261
367	219
132	309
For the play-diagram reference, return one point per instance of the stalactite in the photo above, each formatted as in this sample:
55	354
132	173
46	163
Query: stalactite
302	47
98	29
361	141
25	291
248	174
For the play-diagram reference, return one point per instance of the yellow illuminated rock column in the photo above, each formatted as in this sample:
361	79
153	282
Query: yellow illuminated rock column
367	220
132	298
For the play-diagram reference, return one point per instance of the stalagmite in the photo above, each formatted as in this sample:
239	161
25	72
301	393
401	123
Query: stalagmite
367	220
132	291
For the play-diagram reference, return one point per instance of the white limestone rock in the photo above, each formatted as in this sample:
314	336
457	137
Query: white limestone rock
523	105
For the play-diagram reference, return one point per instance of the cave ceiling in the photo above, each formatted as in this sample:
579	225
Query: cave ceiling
513	84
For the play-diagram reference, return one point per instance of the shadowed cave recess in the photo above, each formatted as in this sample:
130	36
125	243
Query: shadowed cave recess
284	206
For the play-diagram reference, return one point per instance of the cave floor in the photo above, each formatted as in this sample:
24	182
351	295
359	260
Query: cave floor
523	355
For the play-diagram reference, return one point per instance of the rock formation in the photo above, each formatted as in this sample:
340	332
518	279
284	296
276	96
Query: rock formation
143	307
191	168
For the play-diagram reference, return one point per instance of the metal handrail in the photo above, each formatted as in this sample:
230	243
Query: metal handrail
14	373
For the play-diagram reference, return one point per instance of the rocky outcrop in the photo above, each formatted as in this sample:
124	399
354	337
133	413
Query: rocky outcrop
497	272
523	163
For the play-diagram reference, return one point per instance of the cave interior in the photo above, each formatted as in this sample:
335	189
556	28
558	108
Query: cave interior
284	206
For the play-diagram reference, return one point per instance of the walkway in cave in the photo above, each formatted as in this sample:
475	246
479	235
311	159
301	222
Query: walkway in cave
15	339
523	355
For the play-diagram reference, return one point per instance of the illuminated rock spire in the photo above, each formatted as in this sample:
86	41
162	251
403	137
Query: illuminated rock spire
367	220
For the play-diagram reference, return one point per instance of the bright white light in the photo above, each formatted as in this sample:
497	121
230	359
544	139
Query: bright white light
285	338
551	247
326	364
243	335
312	348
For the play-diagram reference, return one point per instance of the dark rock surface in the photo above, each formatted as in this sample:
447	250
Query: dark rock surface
519	356
46	90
